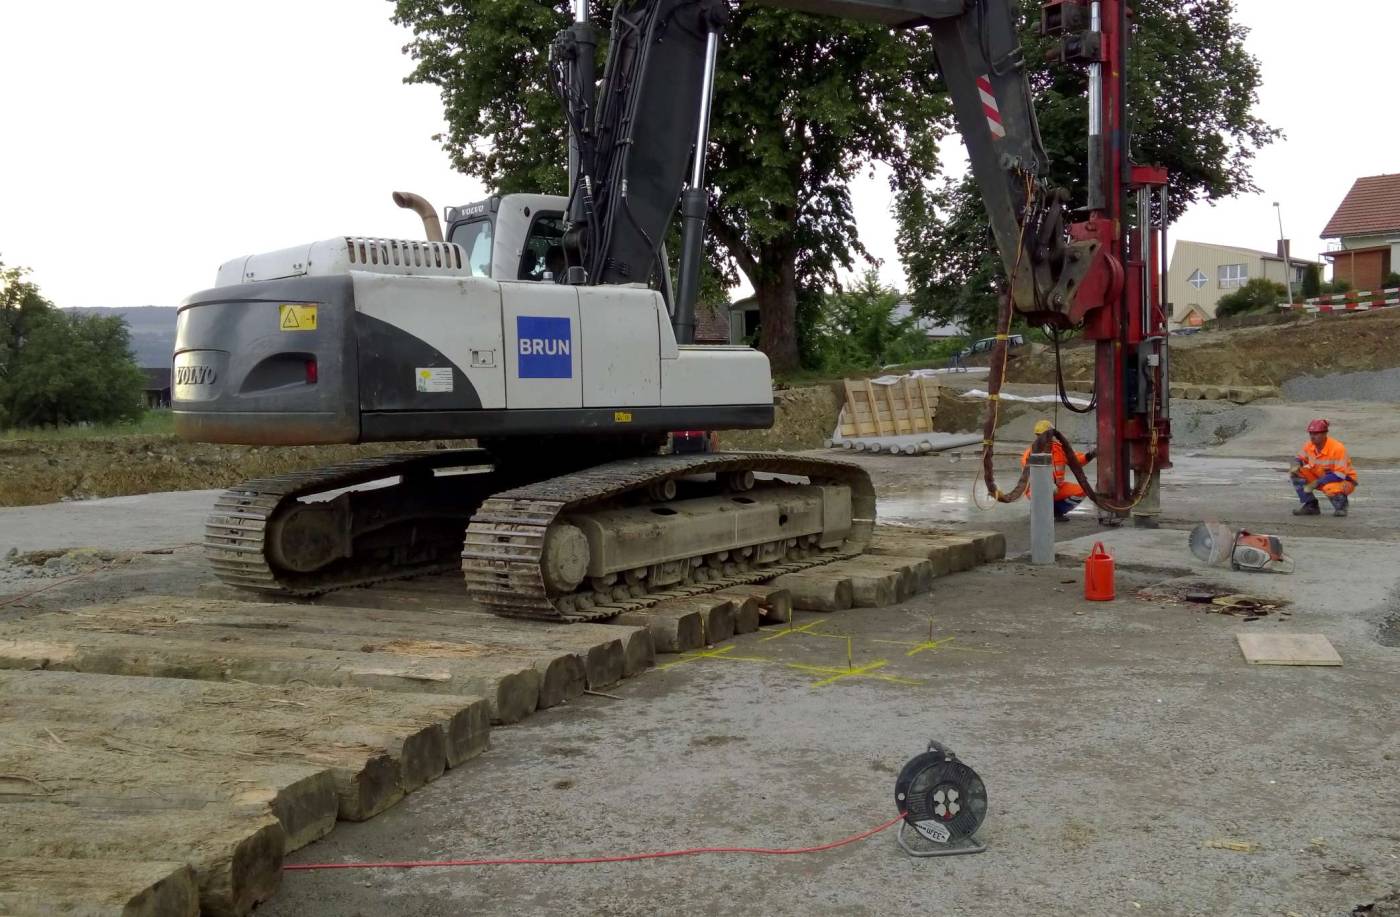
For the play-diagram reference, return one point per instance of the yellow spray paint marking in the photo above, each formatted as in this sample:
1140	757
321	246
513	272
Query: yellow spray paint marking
700	654
296	316
929	645
622	416
809	628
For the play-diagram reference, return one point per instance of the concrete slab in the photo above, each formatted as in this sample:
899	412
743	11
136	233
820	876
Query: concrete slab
1343	587
134	523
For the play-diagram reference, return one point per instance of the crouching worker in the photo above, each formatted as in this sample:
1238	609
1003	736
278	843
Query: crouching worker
1068	494
1322	465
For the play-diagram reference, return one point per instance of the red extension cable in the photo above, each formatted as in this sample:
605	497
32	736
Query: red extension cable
580	861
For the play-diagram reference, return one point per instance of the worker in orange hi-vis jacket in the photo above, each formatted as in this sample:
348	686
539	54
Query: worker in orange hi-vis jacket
1068	494
1322	465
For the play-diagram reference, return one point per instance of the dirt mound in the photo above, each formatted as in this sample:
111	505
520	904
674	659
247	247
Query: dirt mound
1272	355
805	418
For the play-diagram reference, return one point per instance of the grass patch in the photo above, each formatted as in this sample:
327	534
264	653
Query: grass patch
151	423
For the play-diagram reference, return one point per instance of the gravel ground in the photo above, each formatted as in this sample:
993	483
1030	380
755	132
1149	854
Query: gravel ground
1381	385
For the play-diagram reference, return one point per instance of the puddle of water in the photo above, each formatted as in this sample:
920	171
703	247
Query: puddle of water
943	502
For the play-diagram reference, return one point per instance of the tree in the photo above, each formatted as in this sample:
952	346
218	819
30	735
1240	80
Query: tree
802	105
1192	92
1257	295
1312	281
57	367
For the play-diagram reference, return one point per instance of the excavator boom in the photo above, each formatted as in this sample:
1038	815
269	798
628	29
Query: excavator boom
1101	274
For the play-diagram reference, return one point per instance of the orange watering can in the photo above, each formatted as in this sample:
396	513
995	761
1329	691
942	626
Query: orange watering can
1098	575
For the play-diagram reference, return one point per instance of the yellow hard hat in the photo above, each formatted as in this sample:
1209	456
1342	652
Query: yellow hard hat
1043	426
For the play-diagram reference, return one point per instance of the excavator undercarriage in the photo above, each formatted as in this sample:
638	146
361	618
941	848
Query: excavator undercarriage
579	546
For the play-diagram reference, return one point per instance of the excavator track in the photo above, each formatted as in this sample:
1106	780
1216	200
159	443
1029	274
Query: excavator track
503	554
416	527
237	532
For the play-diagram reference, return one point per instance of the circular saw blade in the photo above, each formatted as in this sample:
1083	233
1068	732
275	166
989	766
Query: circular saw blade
1212	542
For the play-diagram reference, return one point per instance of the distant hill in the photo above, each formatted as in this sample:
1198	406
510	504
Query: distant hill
152	330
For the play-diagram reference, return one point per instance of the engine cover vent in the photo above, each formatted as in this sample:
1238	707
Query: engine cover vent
345	254
365	251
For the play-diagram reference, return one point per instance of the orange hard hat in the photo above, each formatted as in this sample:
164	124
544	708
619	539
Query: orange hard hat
1318	426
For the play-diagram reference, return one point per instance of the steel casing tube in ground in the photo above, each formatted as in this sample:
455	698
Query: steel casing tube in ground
1042	509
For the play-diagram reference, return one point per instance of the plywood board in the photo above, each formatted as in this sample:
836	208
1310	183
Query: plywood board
904	407
1287	649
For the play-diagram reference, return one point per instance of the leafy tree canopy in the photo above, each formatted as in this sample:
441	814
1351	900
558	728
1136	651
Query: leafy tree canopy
1192	91
57	367
802	105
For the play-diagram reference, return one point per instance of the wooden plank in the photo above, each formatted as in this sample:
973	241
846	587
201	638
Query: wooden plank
511	688
870	587
439	601
717	616
746	614
810	592
562	675
938	555
236	856
120	888
991	546
916	572
1287	649
849	426
600	655
108	760
926	426
774	602
379	745
880	428
894	416
903	571
674	628
952	553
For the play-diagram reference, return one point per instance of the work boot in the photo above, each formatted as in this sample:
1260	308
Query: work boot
1339	505
1308	509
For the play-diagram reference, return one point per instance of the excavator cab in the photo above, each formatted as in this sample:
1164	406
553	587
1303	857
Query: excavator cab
511	237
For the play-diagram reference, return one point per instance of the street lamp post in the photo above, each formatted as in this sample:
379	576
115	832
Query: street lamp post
1283	250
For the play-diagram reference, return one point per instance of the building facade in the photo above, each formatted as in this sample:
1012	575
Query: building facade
1364	234
1202	272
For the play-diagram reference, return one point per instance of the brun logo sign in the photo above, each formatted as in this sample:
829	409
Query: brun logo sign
195	375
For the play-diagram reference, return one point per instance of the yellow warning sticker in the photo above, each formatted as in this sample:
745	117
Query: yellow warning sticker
296	316
622	416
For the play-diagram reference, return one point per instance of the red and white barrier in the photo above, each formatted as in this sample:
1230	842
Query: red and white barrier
1361	301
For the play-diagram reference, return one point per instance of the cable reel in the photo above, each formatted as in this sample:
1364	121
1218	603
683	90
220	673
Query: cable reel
943	802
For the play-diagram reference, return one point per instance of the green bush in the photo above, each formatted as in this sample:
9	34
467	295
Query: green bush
1258	295
1390	281
1312	281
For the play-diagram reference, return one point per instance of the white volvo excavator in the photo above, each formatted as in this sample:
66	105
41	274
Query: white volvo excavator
546	328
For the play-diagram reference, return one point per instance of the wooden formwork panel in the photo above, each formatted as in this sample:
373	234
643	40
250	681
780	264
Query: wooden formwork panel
905	406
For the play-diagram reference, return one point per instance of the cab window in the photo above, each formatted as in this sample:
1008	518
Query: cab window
543	258
475	239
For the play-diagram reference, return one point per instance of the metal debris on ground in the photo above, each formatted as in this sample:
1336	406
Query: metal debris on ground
1237	846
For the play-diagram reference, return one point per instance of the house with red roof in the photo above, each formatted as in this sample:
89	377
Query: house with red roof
1366	232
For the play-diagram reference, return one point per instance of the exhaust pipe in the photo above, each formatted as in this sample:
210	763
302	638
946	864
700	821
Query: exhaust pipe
431	225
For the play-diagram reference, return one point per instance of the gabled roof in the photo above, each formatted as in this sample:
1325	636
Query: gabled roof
711	324
1372	206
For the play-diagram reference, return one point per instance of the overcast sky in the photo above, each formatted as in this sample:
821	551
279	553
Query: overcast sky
149	141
